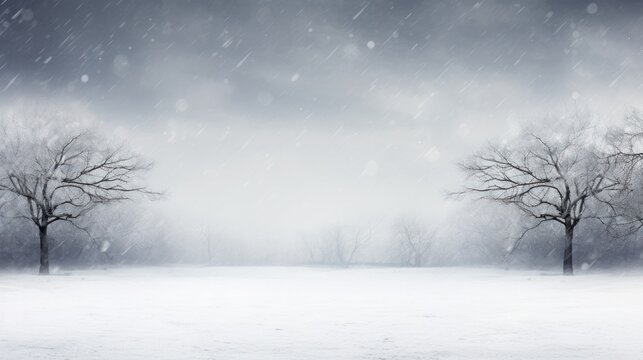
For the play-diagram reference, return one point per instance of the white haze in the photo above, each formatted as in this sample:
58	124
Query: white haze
276	120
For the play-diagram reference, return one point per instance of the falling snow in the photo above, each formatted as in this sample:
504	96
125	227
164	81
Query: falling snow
592	8
284	133
181	105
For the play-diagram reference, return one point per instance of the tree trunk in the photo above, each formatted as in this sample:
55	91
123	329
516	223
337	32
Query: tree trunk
568	263
418	261
209	251
44	251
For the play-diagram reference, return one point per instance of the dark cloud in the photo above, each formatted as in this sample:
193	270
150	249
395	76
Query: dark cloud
384	95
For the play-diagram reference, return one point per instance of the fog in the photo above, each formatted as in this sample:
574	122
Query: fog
364	179
270	123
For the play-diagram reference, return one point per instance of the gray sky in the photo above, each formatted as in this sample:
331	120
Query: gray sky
277	117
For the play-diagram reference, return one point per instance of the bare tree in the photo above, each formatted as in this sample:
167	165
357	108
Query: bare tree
628	140
627	146
339	246
412	242
61	174
549	176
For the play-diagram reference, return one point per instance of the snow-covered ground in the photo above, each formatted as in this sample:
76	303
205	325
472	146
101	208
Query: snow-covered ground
312	313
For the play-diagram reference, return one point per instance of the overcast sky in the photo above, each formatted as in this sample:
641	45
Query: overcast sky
277	117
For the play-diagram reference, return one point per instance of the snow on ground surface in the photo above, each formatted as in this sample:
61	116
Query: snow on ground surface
316	313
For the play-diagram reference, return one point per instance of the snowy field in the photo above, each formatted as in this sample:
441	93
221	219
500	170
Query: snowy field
310	313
